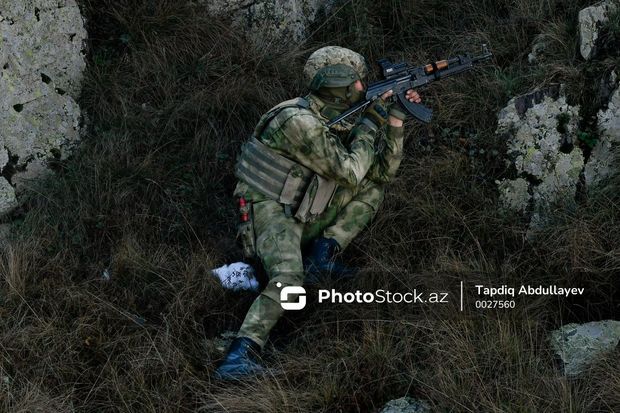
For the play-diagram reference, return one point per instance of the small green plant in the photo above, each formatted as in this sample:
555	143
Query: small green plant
588	139
509	81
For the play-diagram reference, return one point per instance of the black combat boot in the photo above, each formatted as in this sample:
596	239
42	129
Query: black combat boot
240	362
321	265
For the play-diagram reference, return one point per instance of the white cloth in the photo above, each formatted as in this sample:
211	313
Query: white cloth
237	276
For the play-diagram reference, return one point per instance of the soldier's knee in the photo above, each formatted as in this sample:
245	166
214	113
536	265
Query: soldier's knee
371	194
279	253
280	281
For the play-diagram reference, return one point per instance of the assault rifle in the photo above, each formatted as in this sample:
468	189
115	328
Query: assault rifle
400	77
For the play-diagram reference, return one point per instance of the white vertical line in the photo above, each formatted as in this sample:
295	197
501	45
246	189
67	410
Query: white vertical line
461	295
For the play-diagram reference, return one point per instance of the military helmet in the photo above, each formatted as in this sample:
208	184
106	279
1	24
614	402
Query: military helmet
334	66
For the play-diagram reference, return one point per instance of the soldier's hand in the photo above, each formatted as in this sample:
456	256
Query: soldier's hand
387	94
413	96
377	111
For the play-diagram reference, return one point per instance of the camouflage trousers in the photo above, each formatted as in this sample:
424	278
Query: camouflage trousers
279	240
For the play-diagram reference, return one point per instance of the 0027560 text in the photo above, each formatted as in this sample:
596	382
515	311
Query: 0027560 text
495	304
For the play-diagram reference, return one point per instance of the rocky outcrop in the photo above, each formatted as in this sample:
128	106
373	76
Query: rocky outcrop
548	152
41	66
591	20
579	345
540	130
405	405
272	21
603	162
541	133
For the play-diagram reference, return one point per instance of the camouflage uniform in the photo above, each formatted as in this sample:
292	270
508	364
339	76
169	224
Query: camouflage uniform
351	156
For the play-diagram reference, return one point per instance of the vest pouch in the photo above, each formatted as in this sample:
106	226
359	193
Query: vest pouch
272	174
316	199
293	186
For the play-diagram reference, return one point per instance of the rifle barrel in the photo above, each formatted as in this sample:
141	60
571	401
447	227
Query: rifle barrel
482	57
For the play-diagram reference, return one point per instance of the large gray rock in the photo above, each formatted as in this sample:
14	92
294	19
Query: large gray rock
579	345
609	119
535	127
406	405
41	66
603	162
591	19
272	22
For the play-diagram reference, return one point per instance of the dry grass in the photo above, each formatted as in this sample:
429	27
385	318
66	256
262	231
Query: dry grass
170	95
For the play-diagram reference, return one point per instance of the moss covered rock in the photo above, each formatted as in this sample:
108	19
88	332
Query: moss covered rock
272	23
603	161
579	345
41	66
591	20
540	129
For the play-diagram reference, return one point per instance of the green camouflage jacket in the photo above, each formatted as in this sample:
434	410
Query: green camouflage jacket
347	154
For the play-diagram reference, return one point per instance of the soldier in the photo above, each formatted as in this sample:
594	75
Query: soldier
304	185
